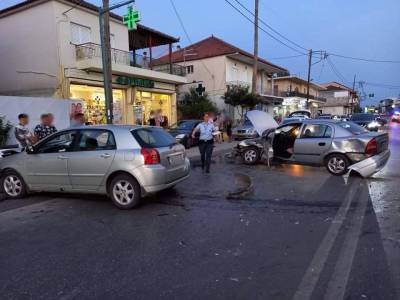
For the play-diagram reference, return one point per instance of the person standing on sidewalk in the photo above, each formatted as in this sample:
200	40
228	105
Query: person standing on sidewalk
206	141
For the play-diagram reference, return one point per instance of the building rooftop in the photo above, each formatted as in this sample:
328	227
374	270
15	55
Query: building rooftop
212	47
300	80
333	85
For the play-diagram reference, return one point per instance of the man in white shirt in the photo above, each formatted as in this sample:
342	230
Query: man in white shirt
206	141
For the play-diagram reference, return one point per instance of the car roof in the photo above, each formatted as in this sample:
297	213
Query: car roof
111	127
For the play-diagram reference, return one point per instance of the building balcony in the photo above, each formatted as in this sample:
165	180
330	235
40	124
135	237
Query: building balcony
300	95
88	56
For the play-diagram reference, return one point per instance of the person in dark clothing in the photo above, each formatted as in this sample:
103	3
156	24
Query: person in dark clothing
228	124
152	119
22	134
206	141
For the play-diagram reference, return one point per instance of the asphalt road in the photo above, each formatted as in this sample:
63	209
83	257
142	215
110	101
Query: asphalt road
296	233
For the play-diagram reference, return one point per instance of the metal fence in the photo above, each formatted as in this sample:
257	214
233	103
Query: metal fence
92	50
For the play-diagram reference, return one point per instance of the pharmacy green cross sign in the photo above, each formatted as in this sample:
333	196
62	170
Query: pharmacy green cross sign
200	89
131	18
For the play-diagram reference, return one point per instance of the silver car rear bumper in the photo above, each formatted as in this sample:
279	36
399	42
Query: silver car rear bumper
157	178
371	165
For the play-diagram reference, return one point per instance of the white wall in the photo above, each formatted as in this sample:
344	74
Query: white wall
36	42
28	52
211	73
11	107
238	72
86	18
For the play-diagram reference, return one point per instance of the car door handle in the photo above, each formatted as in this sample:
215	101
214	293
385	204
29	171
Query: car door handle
321	144
105	155
62	157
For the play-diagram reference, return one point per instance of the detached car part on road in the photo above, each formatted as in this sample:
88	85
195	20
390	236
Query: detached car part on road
339	146
124	162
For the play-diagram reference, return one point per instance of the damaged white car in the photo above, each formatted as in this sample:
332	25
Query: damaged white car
338	145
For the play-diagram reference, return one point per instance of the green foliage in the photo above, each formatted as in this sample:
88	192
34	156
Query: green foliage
239	96
193	106
5	127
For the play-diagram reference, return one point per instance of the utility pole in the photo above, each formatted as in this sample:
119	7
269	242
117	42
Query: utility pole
354	95
255	58
104	22
309	77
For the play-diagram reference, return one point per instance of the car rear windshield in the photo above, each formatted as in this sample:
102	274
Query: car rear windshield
362	117
151	137
352	127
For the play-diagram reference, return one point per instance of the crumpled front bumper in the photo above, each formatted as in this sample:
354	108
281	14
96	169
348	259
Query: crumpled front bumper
371	165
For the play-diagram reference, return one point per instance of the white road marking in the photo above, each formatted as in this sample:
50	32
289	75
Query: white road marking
313	273
338	282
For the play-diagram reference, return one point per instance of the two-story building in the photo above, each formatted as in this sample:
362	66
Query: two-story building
293	90
340	99
217	65
50	48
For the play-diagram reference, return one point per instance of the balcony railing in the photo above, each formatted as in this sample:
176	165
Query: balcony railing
121	57
301	95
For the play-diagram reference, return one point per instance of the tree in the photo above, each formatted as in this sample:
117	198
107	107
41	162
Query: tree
238	96
193	105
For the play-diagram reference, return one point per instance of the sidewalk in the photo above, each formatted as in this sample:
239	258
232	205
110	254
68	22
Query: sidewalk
224	147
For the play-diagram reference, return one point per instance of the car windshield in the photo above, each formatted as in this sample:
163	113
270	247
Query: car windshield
153	137
362	117
247	123
352	127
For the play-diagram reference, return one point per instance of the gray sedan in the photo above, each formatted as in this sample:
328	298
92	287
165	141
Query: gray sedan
340	146
124	162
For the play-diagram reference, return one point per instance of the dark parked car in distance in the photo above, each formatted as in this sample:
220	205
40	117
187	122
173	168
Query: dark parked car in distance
368	121
244	131
182	132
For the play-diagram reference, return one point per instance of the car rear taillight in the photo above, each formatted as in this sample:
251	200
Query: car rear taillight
371	148
151	156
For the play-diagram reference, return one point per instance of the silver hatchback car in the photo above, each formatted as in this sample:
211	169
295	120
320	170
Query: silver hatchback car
124	162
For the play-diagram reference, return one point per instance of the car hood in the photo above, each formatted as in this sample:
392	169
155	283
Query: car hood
261	121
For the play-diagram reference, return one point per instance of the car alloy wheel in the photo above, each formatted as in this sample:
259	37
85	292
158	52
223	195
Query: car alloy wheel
123	192
337	164
13	185
250	156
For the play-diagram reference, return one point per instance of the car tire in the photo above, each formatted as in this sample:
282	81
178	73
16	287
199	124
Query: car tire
124	192
13	185
337	164
250	156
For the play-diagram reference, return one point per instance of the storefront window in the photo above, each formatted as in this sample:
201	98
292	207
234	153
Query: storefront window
147	104
94	103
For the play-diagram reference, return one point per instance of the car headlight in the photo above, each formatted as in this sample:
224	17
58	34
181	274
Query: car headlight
373	124
251	131
180	136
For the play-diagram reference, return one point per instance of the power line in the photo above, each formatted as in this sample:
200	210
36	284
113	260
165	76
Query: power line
270	27
336	71
262	29
382	85
296	44
187	34
366	59
286	57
